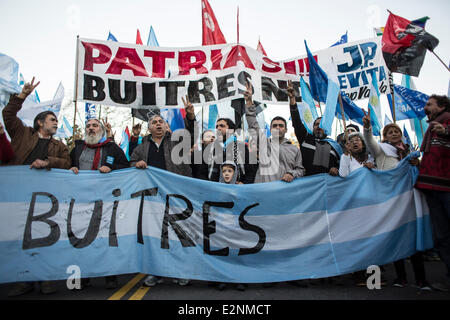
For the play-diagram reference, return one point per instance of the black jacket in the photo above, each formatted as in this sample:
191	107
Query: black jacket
111	150
308	143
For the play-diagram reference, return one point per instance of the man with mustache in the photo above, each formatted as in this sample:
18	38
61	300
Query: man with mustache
96	152
36	148
157	149
434	176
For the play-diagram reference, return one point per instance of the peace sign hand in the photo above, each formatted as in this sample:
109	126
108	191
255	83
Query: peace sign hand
27	89
189	107
366	119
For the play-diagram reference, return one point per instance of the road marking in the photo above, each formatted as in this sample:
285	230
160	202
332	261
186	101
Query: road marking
140	293
123	291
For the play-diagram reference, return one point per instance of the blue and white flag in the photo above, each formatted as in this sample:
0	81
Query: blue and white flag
318	79
332	100
406	138
111	37
9	72
308	116
65	131
31	107
409	103
213	114
344	39
152	41
374	106
155	222
419	126
125	143
89	111
387	120
173	117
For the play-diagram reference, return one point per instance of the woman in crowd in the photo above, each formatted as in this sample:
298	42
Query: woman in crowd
388	154
356	155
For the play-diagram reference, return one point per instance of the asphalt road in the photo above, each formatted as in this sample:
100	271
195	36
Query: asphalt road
130	288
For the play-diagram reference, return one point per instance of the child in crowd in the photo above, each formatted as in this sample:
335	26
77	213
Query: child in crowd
229	175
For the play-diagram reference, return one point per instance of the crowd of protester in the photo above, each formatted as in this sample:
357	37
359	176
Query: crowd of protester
224	158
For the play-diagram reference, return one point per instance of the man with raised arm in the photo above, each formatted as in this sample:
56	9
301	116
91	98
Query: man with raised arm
320	154
36	148
279	158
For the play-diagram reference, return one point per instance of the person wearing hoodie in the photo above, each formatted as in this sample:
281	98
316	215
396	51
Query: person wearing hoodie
229	174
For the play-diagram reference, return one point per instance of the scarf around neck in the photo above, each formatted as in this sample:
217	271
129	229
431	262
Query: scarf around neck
96	146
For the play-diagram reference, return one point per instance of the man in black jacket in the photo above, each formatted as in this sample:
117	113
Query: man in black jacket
227	147
319	154
96	152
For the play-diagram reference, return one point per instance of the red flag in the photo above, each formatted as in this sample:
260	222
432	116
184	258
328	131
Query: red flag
404	45
138	38
127	132
260	48
211	31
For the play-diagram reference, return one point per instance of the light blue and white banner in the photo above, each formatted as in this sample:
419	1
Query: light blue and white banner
155	222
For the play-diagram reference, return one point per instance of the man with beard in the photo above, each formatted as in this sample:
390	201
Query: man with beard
319	153
96	152
434	176
37	148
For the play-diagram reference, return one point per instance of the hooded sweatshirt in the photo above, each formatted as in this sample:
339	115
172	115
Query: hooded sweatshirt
235	174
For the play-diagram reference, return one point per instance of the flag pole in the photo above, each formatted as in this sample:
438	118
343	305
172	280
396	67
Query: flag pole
343	115
76	88
448	69
238	25
391	86
421	129
393	106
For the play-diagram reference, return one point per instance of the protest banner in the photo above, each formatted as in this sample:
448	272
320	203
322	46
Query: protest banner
156	222
129	75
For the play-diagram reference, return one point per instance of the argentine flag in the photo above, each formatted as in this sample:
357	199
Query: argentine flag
332	99
307	107
374	106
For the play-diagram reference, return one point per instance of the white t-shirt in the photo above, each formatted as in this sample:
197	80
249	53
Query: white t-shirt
349	164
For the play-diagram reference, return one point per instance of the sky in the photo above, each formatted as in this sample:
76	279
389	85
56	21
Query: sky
41	35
